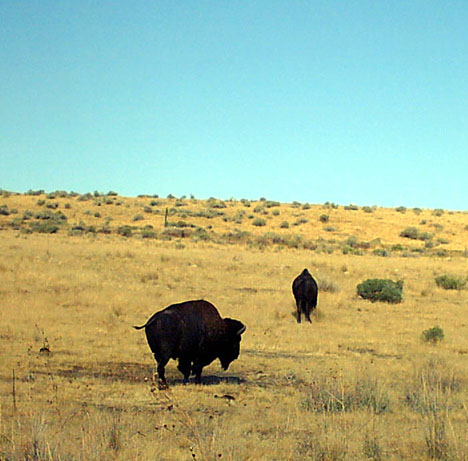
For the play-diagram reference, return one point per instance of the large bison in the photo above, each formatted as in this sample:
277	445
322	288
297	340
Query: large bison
194	333
305	292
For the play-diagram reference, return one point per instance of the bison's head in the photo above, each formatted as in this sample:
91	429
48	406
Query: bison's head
231	347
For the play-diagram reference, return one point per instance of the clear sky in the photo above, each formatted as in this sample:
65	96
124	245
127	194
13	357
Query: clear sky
360	102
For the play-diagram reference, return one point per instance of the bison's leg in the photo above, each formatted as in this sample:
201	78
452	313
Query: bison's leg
184	367
299	309
307	311
197	371
161	364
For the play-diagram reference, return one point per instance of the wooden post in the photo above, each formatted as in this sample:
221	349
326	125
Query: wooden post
165	218
13	390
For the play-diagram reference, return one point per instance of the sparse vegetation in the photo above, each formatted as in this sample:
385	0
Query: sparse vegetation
258	222
324	218
450	282
340	388
415	234
433	335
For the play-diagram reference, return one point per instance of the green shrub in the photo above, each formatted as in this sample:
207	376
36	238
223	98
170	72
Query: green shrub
45	227
275	212
433	335
126	231
381	252
449	282
300	221
148	233
401	209
105	229
284	225
138	217
438	212
417	211
351	207
367	209
347	250
414	234
258	222
81	228
324	218
213	203
425	236
353	242
84	197
35	192
17	223
383	290
259	209
410	232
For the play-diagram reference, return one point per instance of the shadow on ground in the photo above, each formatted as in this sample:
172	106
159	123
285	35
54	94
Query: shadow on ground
130	372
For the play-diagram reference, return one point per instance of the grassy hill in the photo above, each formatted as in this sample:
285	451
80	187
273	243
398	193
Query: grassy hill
324	228
363	381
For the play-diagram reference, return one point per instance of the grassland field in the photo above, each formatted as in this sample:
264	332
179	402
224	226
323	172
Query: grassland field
76	380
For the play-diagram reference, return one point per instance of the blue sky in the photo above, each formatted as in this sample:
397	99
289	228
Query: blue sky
360	102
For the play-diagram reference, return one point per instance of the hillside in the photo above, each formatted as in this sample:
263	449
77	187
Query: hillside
324	228
362	381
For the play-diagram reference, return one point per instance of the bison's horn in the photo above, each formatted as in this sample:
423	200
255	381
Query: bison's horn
241	330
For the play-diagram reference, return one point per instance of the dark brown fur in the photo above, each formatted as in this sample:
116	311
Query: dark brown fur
305	292
194	333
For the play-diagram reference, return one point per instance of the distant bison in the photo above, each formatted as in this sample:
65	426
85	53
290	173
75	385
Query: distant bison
194	333
305	292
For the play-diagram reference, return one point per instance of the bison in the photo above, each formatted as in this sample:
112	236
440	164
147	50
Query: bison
194	333
305	292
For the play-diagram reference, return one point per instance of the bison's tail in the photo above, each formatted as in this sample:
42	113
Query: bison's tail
149	322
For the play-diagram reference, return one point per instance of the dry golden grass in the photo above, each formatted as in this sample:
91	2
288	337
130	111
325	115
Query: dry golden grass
357	383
